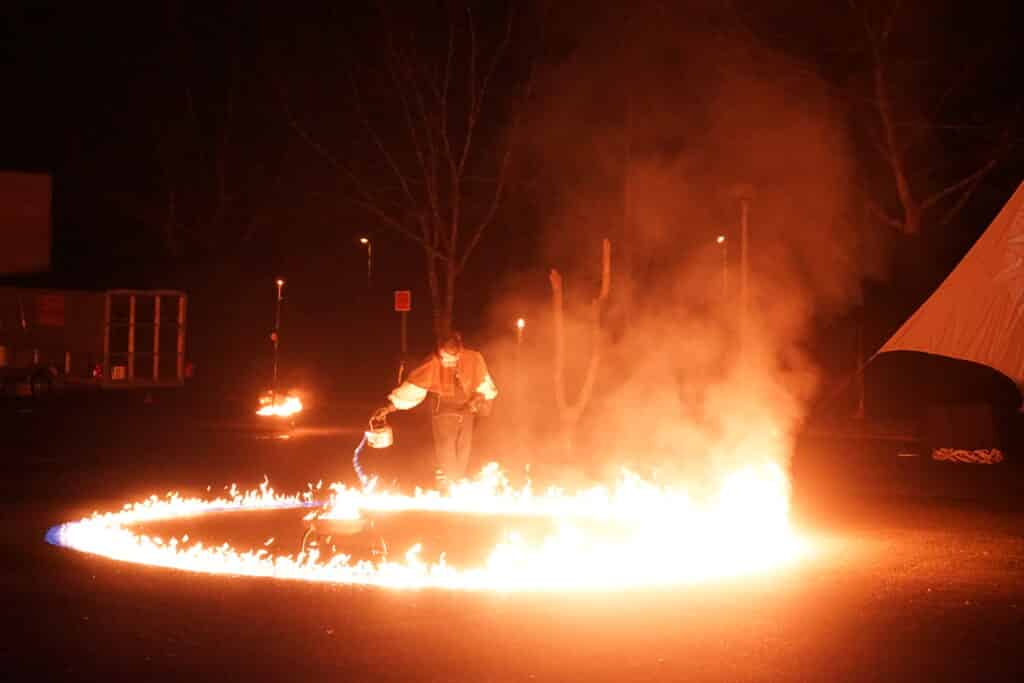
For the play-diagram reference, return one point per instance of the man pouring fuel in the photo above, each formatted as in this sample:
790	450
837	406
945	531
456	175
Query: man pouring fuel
462	388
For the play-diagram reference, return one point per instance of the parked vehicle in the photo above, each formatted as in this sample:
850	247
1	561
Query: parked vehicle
57	339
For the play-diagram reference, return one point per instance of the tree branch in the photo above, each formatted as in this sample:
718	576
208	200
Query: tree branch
911	209
879	213
399	78
965	196
890	21
364	202
499	189
971	179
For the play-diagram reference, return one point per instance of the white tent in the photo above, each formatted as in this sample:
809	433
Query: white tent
977	313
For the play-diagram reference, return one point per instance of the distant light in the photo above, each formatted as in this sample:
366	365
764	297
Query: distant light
280	282
721	239
521	323
364	240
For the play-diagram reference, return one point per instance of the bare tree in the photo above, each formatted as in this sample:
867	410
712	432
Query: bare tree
208	187
569	413
907	100
207	145
900	131
437	168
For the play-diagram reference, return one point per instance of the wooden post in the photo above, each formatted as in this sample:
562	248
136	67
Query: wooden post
401	360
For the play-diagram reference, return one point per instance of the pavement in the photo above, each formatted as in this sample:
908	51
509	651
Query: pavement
917	573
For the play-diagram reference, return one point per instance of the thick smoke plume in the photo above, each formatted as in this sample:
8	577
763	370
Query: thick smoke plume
651	129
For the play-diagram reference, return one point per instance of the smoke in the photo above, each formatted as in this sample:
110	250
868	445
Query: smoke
653	128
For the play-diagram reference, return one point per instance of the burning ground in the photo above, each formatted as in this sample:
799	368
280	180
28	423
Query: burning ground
919	576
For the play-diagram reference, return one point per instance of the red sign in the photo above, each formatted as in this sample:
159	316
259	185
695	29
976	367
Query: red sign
403	300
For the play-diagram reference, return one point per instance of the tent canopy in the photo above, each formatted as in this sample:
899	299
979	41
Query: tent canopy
977	313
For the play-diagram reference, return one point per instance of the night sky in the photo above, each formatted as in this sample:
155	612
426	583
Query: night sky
125	104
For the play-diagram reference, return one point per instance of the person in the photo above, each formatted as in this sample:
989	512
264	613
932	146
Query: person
462	388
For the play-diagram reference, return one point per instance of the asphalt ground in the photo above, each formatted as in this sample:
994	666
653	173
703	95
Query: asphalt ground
916	573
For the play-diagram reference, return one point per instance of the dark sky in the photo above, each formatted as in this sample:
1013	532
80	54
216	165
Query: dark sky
122	104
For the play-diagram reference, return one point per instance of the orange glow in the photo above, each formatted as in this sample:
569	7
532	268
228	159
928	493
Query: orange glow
521	323
281	405
662	537
721	239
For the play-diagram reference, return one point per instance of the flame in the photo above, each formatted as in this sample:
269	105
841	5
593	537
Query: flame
661	536
279	406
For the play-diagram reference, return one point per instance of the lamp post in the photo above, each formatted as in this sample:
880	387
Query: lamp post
520	408
520	326
724	244
744	260
745	194
365	241
275	336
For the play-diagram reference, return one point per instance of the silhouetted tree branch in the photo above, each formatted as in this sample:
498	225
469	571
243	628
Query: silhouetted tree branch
439	141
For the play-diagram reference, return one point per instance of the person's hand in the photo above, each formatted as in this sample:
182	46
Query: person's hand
382	412
474	403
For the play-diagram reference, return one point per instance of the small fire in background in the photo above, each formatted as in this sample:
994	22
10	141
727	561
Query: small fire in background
279	404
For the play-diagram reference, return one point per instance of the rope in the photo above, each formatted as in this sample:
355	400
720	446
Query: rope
363	479
982	456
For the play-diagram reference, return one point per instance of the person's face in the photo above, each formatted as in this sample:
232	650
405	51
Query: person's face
450	353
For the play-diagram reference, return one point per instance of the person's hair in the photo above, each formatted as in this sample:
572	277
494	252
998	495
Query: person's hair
453	339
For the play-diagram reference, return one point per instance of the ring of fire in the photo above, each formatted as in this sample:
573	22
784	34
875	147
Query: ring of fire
670	540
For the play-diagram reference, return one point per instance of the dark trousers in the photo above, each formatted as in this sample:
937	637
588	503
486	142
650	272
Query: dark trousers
453	441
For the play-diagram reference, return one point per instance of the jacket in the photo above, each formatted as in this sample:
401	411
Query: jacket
432	377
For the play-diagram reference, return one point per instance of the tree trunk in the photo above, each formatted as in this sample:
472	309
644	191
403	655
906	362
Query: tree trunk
436	296
569	414
449	298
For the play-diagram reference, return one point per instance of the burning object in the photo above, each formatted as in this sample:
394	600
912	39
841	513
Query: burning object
279	405
663	537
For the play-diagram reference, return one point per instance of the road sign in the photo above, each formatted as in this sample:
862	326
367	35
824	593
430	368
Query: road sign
403	300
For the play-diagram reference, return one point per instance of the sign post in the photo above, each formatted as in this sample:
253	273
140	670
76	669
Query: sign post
403	304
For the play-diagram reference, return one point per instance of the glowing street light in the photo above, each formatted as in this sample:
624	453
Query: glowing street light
365	241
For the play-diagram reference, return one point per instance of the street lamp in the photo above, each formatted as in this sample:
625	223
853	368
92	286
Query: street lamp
275	335
520	408
365	241
722	242
745	194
